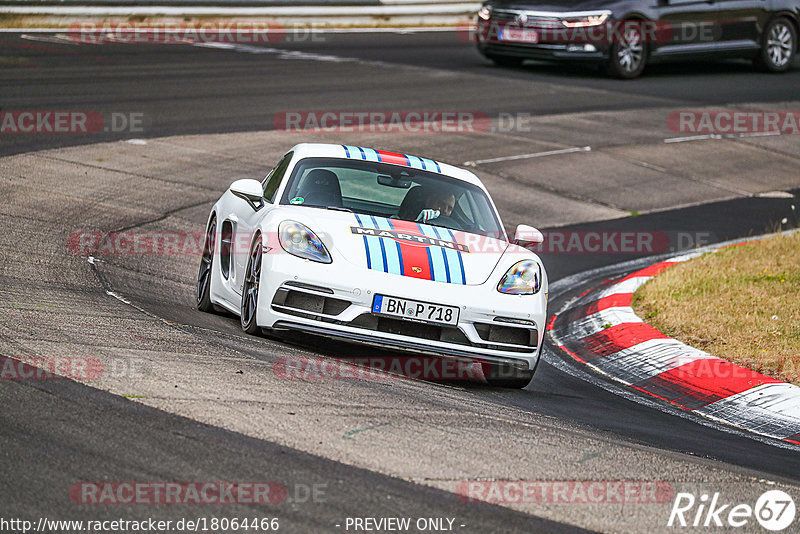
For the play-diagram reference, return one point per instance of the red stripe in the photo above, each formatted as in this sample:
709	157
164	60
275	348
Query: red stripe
653	270
619	337
701	382
550	323
415	255
617	300
393	157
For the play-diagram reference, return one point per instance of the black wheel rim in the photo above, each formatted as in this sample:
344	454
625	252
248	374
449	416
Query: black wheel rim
251	281
204	276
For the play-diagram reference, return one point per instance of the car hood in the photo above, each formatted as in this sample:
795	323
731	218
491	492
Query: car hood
552	5
410	249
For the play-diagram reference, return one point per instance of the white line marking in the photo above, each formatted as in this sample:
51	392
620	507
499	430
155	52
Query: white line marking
58	38
692	138
528	156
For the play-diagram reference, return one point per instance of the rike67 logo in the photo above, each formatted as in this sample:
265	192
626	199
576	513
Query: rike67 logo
774	510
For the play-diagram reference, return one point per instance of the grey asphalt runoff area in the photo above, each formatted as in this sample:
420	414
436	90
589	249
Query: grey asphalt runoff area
203	400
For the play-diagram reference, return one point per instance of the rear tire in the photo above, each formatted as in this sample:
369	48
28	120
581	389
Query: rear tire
506	376
778	47
252	280
628	55
203	291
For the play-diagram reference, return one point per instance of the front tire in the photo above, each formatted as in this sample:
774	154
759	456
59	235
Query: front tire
203	291
252	280
628	55
505	376
778	46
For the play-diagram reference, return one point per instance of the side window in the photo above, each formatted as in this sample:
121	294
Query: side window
273	181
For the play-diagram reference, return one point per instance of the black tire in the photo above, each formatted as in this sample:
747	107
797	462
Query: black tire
505	376
628	54
506	61
778	46
252	280
203	290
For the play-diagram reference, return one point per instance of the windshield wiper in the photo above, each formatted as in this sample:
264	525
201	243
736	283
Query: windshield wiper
337	208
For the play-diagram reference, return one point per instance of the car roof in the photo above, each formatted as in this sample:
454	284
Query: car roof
324	150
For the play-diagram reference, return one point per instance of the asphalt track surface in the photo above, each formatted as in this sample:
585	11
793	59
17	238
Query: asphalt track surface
60	432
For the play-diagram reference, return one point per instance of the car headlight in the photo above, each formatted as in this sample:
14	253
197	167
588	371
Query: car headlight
585	21
523	278
485	13
298	240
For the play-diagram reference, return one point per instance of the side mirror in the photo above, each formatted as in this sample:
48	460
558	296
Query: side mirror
250	191
527	236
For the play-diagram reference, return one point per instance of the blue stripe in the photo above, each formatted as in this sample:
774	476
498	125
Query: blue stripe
383	255
415	162
452	257
352	151
458	256
399	250
346	151
366	249
430	264
400	258
460	260
394	263
444	255
371	154
436	254
375	256
363	156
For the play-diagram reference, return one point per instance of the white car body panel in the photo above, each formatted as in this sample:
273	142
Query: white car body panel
484	260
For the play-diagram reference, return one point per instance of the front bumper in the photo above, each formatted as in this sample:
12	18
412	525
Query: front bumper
336	300
553	42
542	51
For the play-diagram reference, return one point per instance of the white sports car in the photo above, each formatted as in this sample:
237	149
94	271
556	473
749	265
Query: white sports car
381	248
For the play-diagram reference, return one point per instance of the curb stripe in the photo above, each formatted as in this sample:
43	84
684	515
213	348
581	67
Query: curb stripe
599	328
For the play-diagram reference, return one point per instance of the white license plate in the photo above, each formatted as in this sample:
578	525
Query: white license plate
518	35
415	310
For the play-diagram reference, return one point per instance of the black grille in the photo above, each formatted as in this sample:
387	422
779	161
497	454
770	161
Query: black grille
533	22
449	334
298	300
495	333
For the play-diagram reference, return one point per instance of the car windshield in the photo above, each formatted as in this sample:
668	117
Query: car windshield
392	191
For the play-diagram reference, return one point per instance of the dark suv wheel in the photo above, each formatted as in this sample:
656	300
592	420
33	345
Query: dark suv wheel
778	46
628	54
